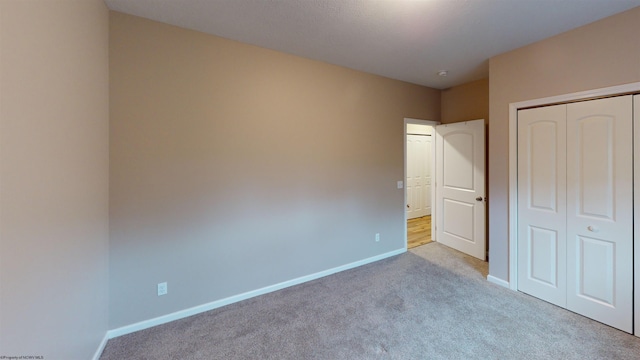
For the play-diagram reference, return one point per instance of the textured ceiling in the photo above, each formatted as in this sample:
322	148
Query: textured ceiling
409	40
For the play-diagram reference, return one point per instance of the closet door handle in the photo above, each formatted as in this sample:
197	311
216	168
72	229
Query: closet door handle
592	228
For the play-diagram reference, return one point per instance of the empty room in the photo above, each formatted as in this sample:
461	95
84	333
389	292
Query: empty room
331	179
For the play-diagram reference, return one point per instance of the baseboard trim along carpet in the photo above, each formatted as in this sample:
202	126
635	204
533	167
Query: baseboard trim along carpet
495	280
128	329
431	302
100	349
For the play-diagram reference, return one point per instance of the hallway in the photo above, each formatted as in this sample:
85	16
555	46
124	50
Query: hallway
418	231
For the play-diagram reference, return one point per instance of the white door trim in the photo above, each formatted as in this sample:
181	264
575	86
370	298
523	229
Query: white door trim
433	172
636	215
513	159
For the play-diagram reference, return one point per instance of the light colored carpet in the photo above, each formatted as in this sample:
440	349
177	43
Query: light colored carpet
430	303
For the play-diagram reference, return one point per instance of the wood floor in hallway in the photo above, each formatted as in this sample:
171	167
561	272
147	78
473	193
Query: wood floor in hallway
418	231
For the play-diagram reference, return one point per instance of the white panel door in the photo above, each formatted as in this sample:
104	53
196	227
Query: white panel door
600	210
636	212
460	187
542	203
418	176
426	188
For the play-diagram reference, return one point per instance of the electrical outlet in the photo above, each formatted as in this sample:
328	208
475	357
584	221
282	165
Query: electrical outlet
377	237
162	289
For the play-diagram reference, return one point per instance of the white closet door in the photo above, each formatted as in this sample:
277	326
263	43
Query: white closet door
636	199
600	210
418	176
542	203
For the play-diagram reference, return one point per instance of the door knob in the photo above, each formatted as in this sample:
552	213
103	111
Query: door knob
592	228
479	198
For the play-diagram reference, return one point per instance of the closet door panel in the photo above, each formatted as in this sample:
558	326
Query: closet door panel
542	203
599	210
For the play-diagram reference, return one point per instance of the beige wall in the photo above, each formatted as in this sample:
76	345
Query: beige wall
235	167
53	177
601	54
466	102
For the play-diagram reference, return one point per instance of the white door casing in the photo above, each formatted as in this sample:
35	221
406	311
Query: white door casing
600	210
542	226
460	187
636	212
418	176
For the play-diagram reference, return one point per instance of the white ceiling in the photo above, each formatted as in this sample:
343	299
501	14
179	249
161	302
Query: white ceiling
408	40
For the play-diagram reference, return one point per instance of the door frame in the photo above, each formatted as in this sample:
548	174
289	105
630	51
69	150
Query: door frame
512	282
433	172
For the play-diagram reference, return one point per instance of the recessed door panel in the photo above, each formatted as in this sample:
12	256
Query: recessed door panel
453	210
542	162
596	275
542	245
594	154
458	170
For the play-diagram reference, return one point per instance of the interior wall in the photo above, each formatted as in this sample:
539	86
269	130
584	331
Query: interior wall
54	164
235	167
602	54
468	101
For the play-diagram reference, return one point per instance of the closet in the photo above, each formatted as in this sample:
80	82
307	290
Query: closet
575	207
418	180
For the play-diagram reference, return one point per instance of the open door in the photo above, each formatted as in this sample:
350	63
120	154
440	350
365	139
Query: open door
460	187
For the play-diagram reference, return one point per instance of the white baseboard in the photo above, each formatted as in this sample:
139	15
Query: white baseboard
247	295
495	280
103	343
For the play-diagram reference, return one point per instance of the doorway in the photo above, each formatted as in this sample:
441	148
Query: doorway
419	166
457	193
